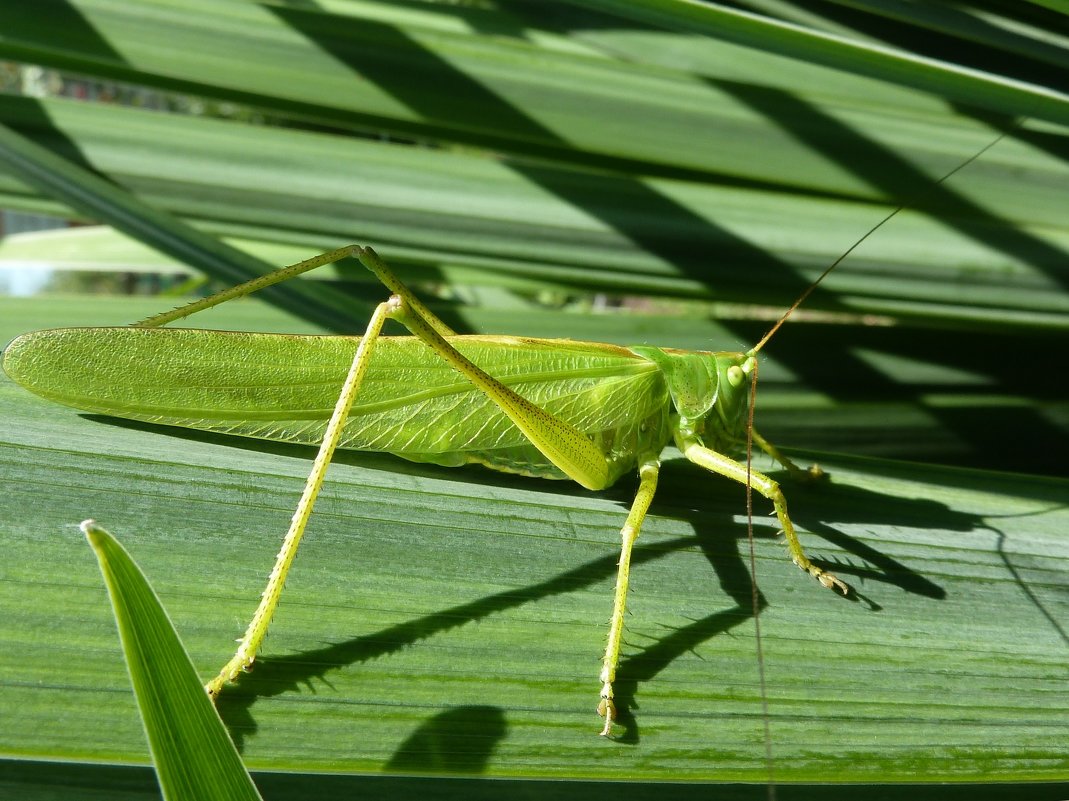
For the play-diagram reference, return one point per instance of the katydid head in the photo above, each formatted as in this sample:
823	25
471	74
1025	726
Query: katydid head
733	401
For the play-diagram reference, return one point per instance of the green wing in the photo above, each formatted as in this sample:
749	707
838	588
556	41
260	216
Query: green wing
283	387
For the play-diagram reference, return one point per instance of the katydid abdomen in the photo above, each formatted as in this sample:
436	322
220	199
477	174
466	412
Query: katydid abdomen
412	404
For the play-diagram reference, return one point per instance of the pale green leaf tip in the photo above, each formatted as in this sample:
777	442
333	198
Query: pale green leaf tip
92	532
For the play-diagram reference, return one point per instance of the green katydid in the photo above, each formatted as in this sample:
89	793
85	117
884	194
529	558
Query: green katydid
550	408
563	409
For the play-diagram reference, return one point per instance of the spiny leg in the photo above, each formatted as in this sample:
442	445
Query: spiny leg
728	467
247	288
368	257
647	472
250	643
572	451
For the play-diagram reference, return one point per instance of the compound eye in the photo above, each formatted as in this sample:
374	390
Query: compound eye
735	375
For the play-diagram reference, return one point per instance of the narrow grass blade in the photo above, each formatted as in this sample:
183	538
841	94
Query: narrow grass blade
194	756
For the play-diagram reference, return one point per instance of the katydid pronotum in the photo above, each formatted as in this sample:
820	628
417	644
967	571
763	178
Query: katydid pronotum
561	409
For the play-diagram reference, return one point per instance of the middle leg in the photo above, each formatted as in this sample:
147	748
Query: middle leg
648	472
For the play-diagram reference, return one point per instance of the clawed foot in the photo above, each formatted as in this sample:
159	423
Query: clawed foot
833	583
827	579
608	711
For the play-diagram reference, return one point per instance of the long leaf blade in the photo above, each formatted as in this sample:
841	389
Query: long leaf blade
459	613
194	756
943	78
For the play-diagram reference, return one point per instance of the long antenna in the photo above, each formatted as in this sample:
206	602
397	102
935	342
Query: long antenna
867	234
755	591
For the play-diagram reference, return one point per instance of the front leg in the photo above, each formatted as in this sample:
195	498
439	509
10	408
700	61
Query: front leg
728	467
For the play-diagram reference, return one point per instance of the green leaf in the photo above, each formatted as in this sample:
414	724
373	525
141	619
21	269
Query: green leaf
193	754
943	78
636	162
1003	248
450	621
